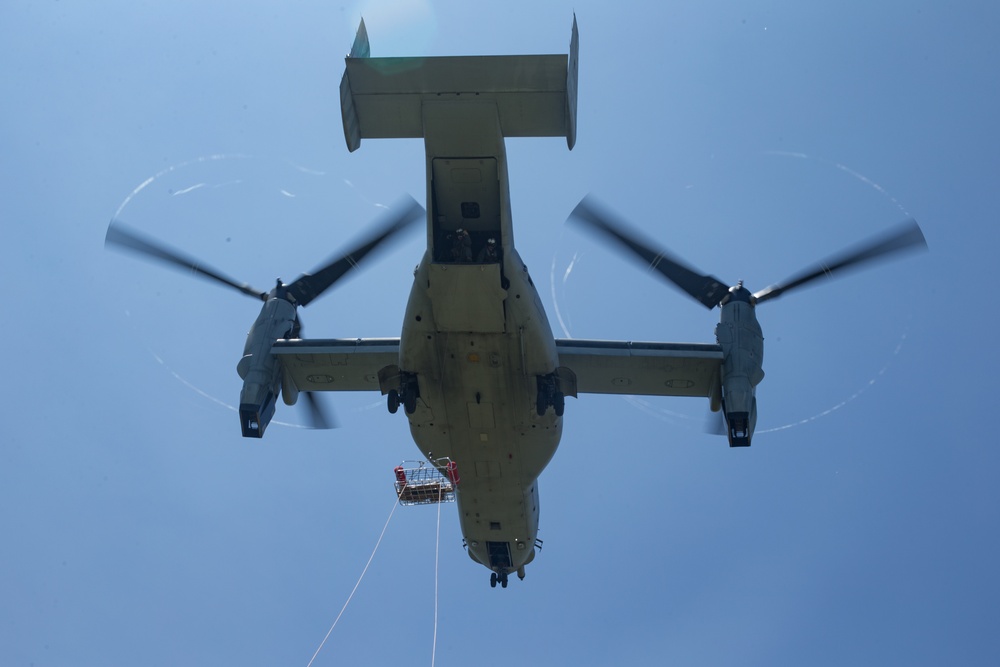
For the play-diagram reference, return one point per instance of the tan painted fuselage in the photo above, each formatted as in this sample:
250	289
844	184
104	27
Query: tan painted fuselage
476	337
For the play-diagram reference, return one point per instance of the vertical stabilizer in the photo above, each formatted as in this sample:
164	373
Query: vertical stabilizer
361	49
572	72
352	129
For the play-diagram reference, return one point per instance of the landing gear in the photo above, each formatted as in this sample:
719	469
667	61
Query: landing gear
406	395
549	394
500	577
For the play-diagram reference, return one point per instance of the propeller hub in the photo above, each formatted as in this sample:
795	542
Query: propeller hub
738	293
281	291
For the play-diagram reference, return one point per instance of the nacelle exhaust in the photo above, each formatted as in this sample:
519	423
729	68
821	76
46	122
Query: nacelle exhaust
254	417
739	406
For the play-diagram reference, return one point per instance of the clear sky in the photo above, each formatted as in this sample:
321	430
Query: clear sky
751	138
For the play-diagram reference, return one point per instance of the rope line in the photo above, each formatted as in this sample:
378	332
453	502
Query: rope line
437	549
354	590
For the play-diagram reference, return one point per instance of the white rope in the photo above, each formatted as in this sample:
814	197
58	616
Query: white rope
370	558
437	548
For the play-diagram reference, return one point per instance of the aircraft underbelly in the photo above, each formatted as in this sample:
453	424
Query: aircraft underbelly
484	421
477	386
481	412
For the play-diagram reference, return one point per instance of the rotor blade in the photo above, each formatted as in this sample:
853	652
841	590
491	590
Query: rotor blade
318	417
707	290
309	286
127	239
715	423
906	236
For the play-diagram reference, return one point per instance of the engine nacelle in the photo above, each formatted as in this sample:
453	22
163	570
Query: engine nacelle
742	342
261	370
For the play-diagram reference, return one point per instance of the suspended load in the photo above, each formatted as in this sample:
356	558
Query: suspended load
423	483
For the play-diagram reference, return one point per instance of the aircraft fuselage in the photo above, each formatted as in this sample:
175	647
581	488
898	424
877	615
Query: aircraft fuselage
476	339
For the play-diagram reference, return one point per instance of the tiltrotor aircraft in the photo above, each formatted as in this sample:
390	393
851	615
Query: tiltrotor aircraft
477	370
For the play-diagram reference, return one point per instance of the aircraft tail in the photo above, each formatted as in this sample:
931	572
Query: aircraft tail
384	97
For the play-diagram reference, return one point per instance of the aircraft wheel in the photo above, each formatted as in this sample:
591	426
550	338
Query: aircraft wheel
493	579
541	404
408	392
393	401
559	403
503	580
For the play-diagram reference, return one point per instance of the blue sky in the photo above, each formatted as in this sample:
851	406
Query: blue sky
752	139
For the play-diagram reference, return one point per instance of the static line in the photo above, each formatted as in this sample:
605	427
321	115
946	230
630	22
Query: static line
354	590
437	550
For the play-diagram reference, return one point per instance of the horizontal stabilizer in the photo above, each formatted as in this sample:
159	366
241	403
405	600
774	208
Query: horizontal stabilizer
384	97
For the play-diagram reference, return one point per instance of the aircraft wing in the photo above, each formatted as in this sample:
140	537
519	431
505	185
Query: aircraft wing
647	369
600	366
337	364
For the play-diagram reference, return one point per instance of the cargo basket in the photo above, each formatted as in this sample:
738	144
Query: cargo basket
423	483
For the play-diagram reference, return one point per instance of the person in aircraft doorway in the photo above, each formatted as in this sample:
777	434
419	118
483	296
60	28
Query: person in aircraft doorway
461	249
489	254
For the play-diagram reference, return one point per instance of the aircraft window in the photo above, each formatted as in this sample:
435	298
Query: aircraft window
470	209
